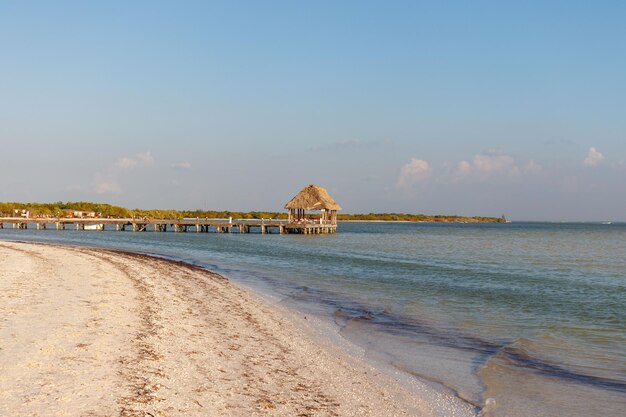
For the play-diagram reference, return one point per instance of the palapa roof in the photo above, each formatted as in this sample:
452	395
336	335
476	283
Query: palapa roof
313	197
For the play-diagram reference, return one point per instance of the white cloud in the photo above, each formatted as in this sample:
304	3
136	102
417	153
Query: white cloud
125	163
492	165
181	166
593	157
145	158
413	172
141	160
495	164
107	180
531	167
464	168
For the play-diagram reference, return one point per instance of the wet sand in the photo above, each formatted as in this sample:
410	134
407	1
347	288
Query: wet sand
90	332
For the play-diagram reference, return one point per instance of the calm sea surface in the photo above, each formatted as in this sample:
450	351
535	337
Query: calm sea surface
532	315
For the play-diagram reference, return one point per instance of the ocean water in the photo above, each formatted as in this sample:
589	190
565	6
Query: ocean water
527	318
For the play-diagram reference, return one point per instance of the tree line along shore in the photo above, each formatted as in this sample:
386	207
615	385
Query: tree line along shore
101	210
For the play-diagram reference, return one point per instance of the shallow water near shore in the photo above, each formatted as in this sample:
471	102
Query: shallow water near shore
531	315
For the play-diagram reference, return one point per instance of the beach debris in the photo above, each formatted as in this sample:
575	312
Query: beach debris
265	404
488	409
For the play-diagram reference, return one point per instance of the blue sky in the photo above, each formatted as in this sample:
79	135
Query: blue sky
475	108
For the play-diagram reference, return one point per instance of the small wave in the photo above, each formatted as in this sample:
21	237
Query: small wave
518	355
514	353
439	383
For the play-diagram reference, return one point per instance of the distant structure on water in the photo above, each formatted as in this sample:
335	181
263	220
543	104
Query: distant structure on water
313	197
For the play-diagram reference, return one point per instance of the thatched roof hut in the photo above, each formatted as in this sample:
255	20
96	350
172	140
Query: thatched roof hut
313	197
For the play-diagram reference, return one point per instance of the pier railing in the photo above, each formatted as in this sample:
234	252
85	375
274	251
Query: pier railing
198	225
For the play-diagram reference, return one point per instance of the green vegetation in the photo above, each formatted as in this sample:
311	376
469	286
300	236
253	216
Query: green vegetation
61	209
404	217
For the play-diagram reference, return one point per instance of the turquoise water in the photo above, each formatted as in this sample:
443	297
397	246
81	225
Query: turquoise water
532	315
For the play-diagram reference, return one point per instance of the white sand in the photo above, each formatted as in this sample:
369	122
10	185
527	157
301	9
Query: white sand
87	332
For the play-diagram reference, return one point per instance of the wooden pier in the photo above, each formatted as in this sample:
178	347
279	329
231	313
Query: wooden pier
310	198
177	226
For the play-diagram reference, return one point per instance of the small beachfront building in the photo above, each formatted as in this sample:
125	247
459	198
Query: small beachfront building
78	214
316	198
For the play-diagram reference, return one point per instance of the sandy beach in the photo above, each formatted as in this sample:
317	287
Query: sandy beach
86	332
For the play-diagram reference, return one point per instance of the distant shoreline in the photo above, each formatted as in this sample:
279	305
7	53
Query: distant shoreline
418	221
103	210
